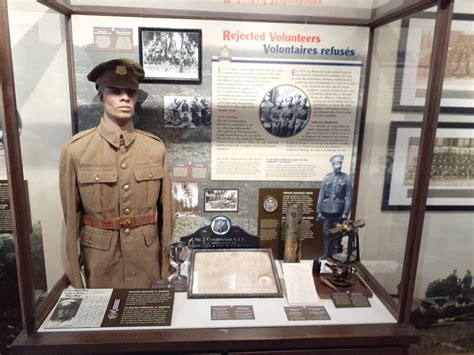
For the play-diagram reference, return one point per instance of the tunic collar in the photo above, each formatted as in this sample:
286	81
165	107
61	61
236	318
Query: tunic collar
114	138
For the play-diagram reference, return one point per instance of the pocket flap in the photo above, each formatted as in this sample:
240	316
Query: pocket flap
150	235
96	176
143	173
96	240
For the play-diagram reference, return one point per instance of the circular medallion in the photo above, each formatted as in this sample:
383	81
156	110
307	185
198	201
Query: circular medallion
220	225
270	204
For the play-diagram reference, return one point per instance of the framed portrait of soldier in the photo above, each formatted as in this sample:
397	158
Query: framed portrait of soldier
170	55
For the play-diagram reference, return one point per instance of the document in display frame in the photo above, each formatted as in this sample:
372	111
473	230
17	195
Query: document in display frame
233	273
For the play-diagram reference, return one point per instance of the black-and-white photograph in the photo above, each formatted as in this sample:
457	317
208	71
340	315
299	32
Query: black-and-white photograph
221	200
285	111
451	176
64	313
187	111
453	161
185	198
170	55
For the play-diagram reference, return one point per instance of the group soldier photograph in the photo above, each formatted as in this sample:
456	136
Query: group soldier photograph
284	111
170	53
187	112
453	161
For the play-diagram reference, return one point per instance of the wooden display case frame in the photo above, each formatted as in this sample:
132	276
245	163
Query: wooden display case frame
386	338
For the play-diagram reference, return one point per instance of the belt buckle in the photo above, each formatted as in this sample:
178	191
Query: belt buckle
127	223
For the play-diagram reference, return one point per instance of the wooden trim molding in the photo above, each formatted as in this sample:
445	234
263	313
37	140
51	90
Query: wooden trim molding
48	303
221	339
425	156
17	187
400	12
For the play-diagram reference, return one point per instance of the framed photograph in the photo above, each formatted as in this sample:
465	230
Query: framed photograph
414	55
233	273
170	55
452	169
187	111
185	195
225	200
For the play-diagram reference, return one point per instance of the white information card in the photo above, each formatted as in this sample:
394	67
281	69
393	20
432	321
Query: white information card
299	284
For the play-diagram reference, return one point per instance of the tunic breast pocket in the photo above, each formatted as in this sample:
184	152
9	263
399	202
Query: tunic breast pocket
148	177
340	189
98	189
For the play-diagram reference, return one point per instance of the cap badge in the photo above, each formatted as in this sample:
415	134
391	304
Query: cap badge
121	70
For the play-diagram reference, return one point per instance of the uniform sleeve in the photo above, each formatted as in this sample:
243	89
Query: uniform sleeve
72	215
167	218
320	197
348	197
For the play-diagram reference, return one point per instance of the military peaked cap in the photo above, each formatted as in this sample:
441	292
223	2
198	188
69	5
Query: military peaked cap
68	302
120	73
337	157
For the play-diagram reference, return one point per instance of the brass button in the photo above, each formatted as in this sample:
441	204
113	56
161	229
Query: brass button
126	187
127	231
89	242
97	178
124	166
127	211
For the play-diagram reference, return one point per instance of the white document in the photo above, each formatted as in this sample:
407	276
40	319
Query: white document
299	284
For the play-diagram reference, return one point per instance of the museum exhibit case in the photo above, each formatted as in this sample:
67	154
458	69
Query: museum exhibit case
262	105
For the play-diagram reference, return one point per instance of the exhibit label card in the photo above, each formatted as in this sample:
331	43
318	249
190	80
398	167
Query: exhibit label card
190	172
6	224
299	283
281	119
98	308
140	307
349	300
244	312
307	313
110	39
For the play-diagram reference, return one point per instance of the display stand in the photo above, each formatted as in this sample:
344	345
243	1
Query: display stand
193	329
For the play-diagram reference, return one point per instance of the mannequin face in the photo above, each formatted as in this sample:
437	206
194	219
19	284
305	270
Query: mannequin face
119	104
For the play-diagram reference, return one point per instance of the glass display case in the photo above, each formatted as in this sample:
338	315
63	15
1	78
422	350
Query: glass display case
368	76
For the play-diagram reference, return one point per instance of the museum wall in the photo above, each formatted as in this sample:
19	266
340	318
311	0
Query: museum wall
293	167
447	242
42	93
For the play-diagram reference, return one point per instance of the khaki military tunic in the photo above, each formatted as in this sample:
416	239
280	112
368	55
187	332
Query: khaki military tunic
107	175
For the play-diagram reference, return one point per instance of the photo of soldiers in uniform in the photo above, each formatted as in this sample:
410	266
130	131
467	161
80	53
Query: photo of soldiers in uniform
64	313
448	301
284	111
453	162
221	200
460	60
187	111
170	54
185	198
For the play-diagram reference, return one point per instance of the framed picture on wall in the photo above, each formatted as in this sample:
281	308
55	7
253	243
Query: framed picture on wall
452	181
413	61
223	200
170	55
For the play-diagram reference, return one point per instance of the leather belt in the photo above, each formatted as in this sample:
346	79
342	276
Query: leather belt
120	222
